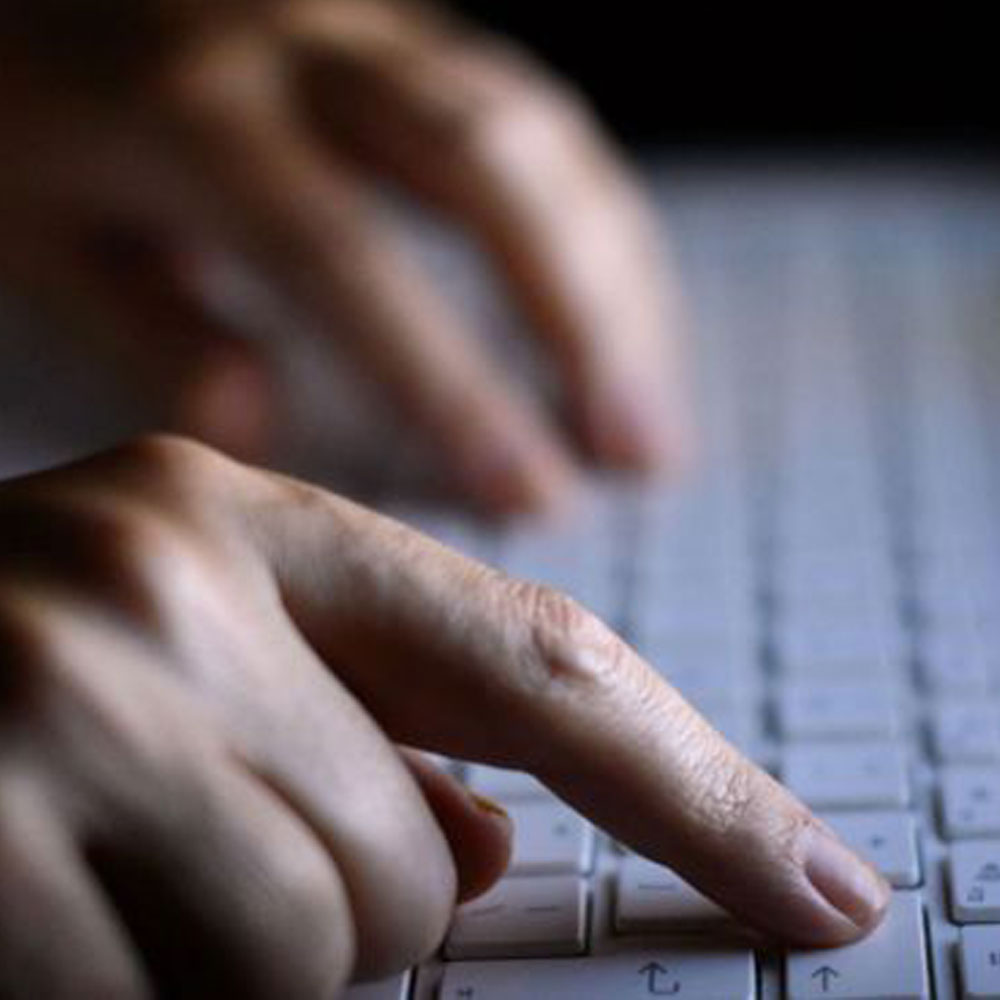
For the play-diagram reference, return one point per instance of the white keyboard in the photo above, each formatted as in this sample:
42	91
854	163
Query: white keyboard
827	591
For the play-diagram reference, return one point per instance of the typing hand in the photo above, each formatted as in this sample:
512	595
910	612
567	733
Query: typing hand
145	140
206	671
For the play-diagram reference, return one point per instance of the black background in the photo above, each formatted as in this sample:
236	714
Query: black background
701	75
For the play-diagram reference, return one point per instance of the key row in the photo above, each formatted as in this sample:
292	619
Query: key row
890	962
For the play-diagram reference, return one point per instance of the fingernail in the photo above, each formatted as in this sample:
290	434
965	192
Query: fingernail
488	806
843	879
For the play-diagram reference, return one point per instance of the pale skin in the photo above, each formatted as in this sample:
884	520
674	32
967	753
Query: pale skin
146	139
212	678
206	675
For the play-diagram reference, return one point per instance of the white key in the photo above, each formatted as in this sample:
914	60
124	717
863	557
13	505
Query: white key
854	653
651	897
718	657
954	664
970	801
504	784
522	918
549	839
966	732
396	988
888	964
817	710
845	776
975	882
887	839
979	960
705	972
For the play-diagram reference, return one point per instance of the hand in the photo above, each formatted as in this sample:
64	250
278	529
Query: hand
205	672
146	139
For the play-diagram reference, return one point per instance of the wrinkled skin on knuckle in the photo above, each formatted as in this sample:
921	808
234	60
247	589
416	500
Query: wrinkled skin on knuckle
567	649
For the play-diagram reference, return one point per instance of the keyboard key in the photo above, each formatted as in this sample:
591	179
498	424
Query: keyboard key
966	732
651	897
975	882
846	776
549	839
887	839
501	783
848	653
396	988
889	963
707	659
817	710
979	961
970	801
954	665
522	918
705	972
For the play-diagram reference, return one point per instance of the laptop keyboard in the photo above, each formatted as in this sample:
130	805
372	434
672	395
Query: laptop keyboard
826	590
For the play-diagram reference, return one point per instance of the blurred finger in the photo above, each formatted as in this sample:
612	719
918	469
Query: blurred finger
317	748
306	221
227	892
484	133
59	938
136	296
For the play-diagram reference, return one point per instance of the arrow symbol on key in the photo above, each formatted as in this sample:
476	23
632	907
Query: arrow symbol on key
825	973
653	972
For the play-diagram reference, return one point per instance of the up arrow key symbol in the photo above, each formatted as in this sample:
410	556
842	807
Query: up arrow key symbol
655	973
824	974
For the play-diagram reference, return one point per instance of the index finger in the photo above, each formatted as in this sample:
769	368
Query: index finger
453	656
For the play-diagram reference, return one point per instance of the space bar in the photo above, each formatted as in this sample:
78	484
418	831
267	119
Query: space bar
701	971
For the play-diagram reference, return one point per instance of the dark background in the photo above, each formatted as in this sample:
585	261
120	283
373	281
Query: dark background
694	76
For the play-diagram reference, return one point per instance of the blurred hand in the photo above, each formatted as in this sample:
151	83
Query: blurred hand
204	673
145	139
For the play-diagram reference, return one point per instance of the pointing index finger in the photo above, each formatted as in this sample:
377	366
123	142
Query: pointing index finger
451	655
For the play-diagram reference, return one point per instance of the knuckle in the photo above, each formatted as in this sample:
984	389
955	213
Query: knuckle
132	558
169	462
141	559
567	645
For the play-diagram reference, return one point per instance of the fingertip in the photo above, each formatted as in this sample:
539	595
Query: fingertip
638	429
496	820
845	882
508	479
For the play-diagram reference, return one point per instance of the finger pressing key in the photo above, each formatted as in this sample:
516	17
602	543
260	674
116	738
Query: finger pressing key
450	655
